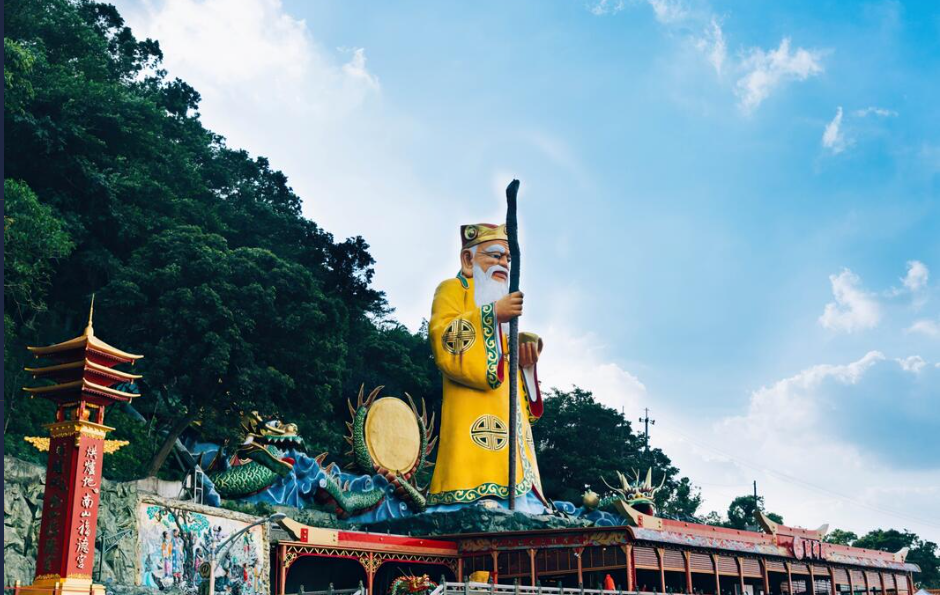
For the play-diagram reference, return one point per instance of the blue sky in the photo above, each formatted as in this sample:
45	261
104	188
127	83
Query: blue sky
730	211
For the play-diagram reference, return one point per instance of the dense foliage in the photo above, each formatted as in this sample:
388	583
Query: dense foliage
198	253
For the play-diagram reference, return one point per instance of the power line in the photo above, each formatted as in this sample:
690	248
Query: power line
809	485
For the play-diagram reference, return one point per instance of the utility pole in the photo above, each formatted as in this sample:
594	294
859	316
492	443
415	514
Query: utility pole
646	421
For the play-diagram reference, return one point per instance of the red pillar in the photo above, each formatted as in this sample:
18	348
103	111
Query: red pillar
766	576
631	578
717	579
789	578
578	552
282	575
70	508
662	570
370	572
740	574
532	566
688	571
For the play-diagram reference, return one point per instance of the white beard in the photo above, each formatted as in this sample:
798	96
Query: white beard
487	290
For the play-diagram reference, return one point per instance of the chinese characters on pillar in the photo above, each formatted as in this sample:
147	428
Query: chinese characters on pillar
89	472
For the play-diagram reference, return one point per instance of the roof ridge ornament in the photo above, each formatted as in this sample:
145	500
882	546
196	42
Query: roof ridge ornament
90	330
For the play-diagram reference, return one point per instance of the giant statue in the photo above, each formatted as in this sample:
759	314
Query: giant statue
468	334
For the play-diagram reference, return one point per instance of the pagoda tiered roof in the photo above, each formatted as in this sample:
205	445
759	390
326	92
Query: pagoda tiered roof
85	369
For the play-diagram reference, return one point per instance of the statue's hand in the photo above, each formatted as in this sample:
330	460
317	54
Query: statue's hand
528	354
509	306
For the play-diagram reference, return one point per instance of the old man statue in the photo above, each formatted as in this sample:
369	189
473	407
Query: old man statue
468	333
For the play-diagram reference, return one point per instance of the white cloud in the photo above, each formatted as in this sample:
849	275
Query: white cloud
930	328
712	44
833	138
917	275
668	11
356	69
874	111
853	309
767	70
913	363
602	7
816	444
581	360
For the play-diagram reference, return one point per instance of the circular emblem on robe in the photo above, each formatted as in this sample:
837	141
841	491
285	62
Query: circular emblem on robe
458	337
392	435
490	432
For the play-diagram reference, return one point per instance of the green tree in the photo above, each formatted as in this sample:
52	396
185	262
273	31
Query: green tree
226	330
840	537
567	443
741	512
922	552
34	242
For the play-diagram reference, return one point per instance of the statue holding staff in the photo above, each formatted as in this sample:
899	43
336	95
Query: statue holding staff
469	339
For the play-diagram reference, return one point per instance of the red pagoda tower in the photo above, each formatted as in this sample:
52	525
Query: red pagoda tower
83	373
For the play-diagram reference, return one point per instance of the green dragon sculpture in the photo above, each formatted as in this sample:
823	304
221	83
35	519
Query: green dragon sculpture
404	482
260	460
637	495
412	585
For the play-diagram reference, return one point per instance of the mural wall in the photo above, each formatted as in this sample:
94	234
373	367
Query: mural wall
174	540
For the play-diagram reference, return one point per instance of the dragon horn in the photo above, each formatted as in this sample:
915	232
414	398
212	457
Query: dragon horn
352	410
624	482
431	444
424	412
649	478
319	458
362	388
375	392
608	485
662	483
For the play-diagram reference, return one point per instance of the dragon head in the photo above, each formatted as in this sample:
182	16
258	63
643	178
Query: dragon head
638	494
411	585
272	431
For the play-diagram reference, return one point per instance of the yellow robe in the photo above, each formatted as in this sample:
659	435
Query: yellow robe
472	354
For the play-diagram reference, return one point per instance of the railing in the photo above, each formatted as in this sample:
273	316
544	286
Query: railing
471	588
331	591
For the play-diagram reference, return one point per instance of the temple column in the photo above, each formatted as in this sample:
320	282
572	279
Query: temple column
662	570
495	556
688	571
740	574
628	552
789	578
717	579
578	552
832	581
765	574
282	569
532	567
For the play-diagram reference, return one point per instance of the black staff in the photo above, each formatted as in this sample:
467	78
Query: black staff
512	230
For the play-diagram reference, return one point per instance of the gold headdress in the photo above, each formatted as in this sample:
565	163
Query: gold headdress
477	233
